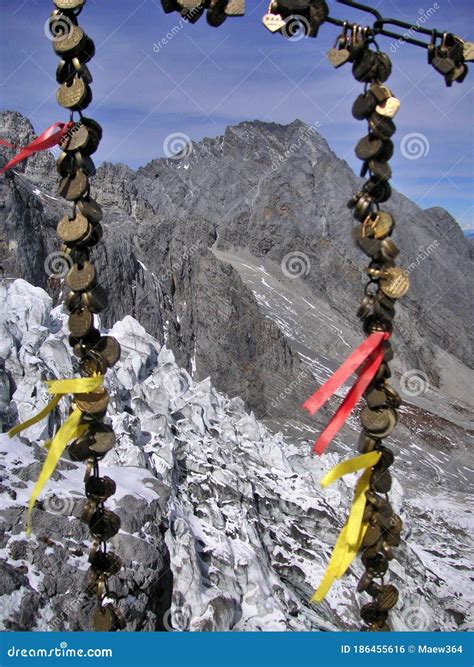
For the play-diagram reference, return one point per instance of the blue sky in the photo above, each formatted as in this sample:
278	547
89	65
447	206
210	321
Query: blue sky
204	79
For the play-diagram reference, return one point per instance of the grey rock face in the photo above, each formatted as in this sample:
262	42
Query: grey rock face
12	579
267	191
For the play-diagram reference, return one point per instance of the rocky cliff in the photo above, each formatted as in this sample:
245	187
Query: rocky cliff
234	282
224	524
186	236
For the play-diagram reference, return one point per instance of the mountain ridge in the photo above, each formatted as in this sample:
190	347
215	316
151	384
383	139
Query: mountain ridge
231	530
12	121
163	221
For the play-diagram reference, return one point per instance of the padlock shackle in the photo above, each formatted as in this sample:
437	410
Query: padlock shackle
380	23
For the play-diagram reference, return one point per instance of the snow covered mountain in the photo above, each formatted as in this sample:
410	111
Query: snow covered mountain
224	524
185	242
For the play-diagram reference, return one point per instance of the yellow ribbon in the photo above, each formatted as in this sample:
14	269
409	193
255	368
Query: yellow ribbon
72	428
352	535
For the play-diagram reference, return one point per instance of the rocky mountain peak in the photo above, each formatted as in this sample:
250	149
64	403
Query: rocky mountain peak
16	128
232	281
197	246
18	131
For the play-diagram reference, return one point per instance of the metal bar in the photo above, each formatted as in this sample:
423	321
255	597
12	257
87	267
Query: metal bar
381	31
412	27
330	19
408	40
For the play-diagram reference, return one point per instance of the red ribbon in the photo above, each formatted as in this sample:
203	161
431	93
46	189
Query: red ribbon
365	361
49	138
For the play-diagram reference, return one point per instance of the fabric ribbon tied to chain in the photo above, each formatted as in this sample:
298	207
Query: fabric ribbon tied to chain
47	139
365	361
352	535
72	428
